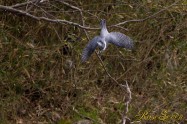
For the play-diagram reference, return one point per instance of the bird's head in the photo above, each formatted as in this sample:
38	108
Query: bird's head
103	23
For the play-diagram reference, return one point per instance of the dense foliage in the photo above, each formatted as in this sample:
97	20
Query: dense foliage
43	80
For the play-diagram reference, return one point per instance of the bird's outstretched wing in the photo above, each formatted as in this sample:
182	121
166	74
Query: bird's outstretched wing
89	49
120	40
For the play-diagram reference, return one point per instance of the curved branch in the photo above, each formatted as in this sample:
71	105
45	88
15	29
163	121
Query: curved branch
13	10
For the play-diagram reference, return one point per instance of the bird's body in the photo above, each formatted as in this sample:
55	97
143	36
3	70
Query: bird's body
102	41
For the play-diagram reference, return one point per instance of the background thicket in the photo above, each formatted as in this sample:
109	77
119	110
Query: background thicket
42	79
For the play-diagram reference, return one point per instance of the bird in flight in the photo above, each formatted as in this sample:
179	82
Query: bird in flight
103	39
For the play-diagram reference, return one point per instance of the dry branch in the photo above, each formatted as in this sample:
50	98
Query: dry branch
127	101
13	10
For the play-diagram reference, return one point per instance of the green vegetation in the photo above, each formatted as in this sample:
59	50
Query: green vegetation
43	80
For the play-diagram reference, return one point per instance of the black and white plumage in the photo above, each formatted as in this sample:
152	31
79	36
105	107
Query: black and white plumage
103	39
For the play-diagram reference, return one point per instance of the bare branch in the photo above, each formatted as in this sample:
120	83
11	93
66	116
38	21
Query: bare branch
13	10
127	101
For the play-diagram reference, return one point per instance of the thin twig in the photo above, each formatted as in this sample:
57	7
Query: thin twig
107	71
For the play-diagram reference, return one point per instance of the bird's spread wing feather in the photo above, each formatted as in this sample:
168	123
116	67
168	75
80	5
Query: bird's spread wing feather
119	40
89	49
